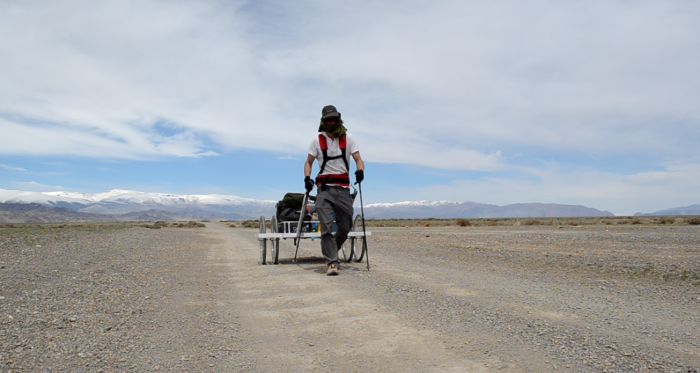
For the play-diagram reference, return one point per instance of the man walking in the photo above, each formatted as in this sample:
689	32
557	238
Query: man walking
332	149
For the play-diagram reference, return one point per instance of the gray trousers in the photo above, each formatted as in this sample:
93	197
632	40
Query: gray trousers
329	203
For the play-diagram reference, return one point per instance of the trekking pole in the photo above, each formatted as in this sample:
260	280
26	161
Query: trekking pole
364	231
301	219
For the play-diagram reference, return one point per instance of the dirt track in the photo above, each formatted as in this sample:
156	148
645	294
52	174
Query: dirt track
437	299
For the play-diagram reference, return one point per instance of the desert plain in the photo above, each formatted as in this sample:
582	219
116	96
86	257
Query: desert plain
513	298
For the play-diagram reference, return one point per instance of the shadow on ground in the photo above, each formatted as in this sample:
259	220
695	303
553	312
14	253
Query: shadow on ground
321	268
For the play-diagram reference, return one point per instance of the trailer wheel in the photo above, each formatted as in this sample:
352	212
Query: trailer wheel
274	242
276	252
263	241
358	245
347	251
275	224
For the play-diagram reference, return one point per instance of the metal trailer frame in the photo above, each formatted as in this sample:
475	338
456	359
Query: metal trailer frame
287	229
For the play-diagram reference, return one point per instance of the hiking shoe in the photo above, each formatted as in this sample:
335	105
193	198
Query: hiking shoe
332	269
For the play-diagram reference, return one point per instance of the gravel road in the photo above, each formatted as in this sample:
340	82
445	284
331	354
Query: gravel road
116	297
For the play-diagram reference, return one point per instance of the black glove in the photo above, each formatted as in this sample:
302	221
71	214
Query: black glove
308	184
359	176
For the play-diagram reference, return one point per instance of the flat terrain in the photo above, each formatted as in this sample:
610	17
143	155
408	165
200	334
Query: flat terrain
121	297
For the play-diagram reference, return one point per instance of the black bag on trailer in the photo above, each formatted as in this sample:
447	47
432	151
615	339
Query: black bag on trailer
289	208
293	199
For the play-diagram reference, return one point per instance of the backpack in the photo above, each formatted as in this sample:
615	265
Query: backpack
340	179
289	208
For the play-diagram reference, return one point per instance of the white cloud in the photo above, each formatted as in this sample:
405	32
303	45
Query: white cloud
289	158
401	148
56	139
457	85
674	185
592	76
604	77
33	186
7	167
109	73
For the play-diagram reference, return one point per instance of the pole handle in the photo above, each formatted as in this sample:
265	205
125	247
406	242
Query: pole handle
364	230
301	219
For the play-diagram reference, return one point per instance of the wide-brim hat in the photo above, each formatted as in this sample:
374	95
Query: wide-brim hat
329	111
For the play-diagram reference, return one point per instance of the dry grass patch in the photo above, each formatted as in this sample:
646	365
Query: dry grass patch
177	224
507	222
665	220
463	223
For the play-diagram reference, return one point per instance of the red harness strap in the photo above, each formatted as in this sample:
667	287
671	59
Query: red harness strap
340	179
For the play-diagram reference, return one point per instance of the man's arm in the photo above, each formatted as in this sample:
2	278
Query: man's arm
308	181
308	166
358	161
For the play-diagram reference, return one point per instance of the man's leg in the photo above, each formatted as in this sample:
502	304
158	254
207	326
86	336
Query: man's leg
343	215
324	209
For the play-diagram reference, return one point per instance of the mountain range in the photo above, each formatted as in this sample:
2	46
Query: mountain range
450	210
676	211
122	205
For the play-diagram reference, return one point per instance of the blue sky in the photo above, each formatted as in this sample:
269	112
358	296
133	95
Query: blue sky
591	103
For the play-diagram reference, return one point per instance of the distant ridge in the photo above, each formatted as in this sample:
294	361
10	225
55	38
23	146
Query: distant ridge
451	210
38	213
687	210
119	205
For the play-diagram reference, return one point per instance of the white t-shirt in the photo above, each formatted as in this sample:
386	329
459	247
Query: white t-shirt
334	166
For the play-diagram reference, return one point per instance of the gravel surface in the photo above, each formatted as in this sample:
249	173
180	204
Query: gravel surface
112	297
115	297
591	298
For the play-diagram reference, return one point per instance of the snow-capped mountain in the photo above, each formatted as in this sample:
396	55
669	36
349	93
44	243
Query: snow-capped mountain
450	210
123	196
134	205
675	211
18	196
119	202
421	203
